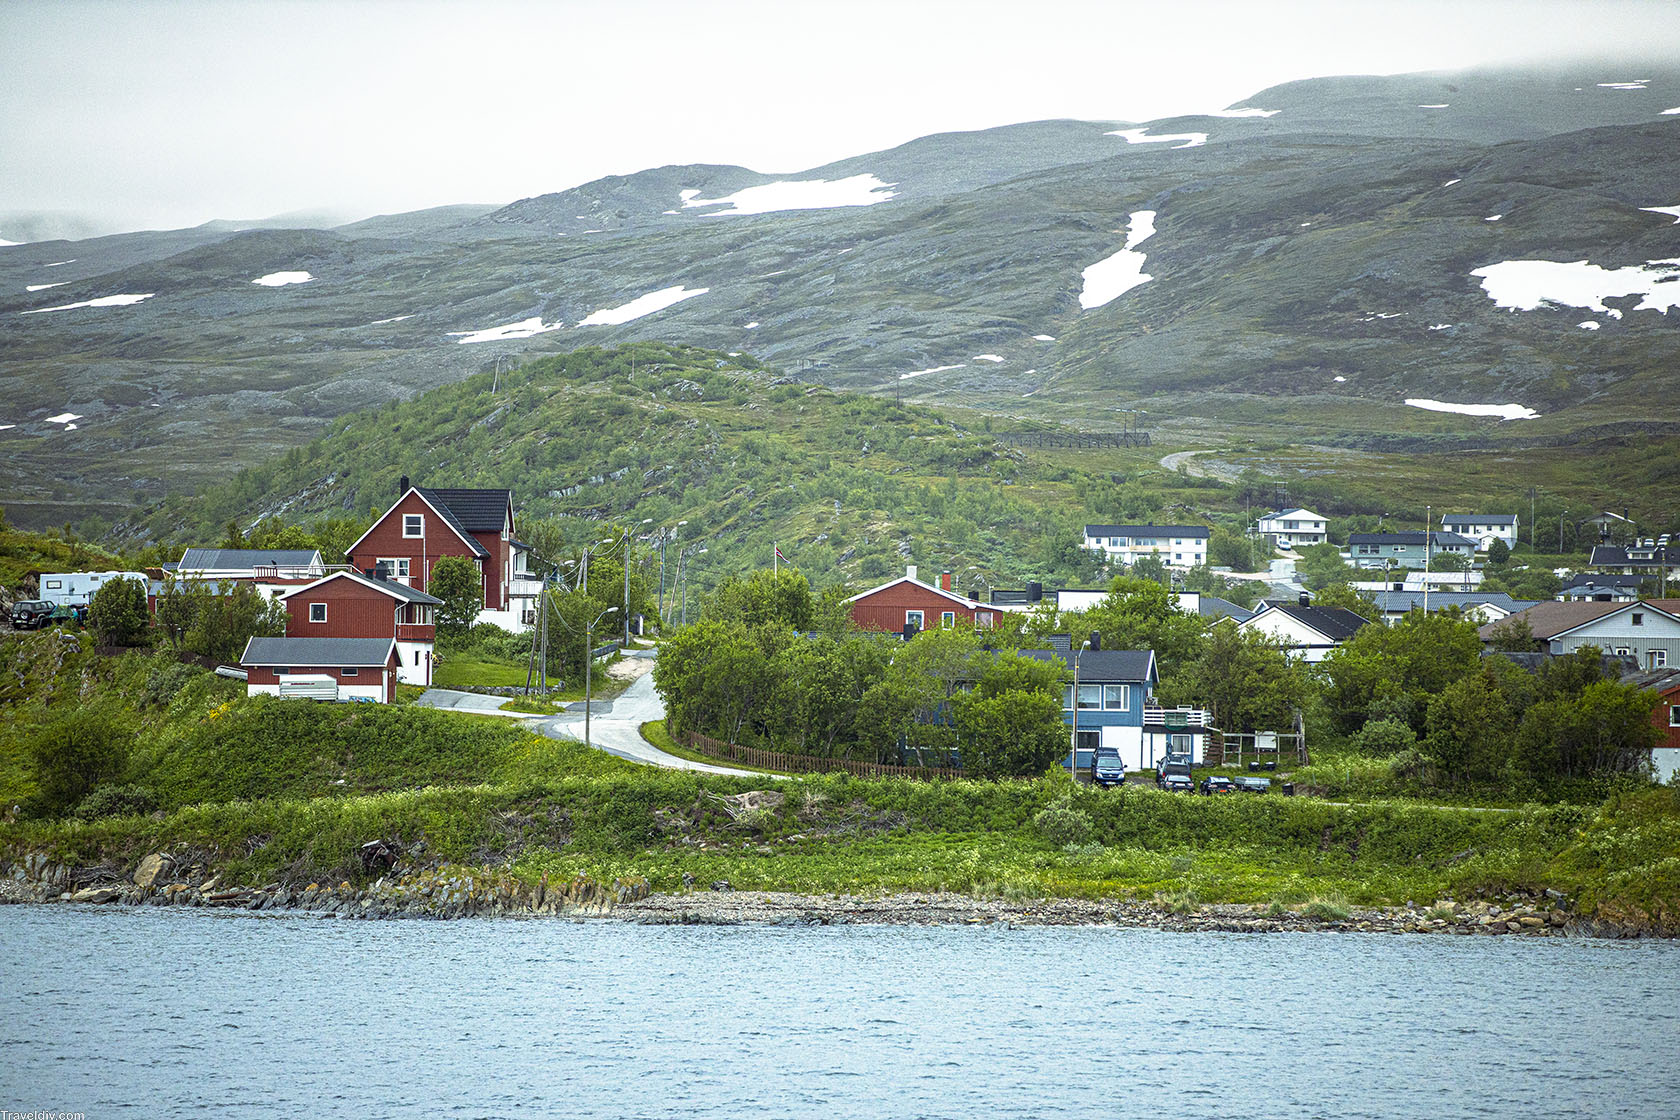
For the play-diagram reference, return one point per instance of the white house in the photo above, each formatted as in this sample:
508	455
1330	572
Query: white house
1647	631
1305	631
1293	527
1176	546
76	589
1484	528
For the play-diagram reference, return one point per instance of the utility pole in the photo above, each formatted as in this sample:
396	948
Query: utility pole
627	574
1531	493
1428	541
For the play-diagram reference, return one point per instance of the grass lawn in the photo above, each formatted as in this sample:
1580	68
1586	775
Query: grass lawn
465	671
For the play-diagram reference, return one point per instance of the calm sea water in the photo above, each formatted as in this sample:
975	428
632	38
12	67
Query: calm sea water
155	1013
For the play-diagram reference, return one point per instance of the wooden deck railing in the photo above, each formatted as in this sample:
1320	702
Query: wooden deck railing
805	763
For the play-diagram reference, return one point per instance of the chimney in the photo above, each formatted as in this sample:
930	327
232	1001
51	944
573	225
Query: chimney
1096	641
910	570
1035	592
402	486
1306	600
974	595
944	581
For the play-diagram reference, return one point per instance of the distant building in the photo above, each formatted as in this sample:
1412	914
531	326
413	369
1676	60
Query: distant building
1294	527
1648	560
1647	632
271	566
1406	550
906	605
1484	528
1593	587
363	669
1665	757
1477	606
351	605
1305	631
1176	546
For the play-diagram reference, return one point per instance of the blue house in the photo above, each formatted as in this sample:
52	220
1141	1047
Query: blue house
1116	707
1406	550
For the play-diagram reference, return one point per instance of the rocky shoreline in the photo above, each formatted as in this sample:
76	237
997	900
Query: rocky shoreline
163	880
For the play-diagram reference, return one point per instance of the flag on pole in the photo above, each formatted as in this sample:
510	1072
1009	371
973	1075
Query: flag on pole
779	557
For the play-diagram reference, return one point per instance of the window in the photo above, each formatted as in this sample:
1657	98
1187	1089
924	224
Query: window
1638	618
54	584
1117	697
913	618
1659	658
1088	740
396	567
1674	715
417	658
1623	651
1090	697
1067	698
948	619
983	619
317	612
414	525
349	672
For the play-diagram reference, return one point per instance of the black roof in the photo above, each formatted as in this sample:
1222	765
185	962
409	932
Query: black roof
1147	530
1335	623
1604	579
317	652
1212	606
476	511
1407	538
1615	556
1098	665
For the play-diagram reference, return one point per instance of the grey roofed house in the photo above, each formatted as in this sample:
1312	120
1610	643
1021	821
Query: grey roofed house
1197	531
1212	606
1401	602
1097	665
247	559
1633	558
1549	619
1601	586
1452	519
436	499
1412	538
318	652
1336	623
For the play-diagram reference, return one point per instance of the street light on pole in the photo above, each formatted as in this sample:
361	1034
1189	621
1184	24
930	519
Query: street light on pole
1073	747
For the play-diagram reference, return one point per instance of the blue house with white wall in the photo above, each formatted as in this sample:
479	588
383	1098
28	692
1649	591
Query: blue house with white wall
1115	707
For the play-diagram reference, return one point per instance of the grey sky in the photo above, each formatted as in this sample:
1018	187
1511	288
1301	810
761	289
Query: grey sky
168	114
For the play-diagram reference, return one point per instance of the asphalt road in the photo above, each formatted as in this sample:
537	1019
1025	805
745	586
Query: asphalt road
618	730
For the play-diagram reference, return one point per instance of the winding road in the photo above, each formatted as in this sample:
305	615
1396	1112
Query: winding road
616	726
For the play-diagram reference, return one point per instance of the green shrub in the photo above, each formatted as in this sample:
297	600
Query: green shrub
74	754
1333	909
1061	824
165	682
1383	737
116	801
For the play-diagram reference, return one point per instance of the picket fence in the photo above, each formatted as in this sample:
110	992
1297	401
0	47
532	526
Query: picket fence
807	764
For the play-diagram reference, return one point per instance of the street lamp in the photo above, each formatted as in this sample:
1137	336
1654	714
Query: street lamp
588	667
1073	747
1560	531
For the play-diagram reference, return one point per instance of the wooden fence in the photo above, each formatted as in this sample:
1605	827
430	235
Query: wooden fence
1073	439
805	763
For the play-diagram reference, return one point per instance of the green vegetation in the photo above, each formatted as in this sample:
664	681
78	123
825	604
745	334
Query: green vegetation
456	581
117	613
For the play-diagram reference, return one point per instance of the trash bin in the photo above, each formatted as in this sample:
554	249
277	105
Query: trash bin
1288	789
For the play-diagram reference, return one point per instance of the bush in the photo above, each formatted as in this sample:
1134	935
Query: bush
116	801
73	755
1383	737
1062	824
117	613
165	682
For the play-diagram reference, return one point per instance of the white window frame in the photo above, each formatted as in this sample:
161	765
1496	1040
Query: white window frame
1096	707
1674	715
947	620
398	566
1659	658
350	671
55	585
1622	651
312	607
1067	698
419	520
1125	704
918	617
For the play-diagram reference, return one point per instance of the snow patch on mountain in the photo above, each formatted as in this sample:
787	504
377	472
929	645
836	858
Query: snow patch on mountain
44	287
988	358
1044	338
63	418
1503	411
281	279
1526	285
640	306
1245	112
1141	136
935	369
1672	211
124	300
525	328
797	194
1637	84
1114	276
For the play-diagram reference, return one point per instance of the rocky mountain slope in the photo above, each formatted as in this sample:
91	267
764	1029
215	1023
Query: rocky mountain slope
1300	267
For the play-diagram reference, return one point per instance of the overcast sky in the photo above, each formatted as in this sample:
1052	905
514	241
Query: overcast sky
169	114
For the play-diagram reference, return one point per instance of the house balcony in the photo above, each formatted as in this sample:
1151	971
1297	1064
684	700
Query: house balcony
1176	719
416	632
523	585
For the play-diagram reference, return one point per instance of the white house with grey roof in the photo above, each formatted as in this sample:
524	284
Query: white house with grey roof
1176	546
1294	527
1484	528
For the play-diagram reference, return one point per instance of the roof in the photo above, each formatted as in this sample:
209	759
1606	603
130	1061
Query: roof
1147	531
1098	665
225	559
1547	620
312	652
1408	538
1479	519
442	510
1596	579
389	587
1212	606
971	604
1336	623
1663	681
1296	512
1393	601
476	511
1613	555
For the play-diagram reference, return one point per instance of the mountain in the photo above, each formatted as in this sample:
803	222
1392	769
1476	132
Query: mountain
1302	275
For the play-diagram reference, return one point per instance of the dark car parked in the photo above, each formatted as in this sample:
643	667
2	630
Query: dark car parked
1176	783
1217	783
31	614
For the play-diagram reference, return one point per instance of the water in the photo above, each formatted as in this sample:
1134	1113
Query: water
169	1013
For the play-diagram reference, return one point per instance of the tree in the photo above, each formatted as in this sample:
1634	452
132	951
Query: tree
1014	733
1139	614
456	580
1498	553
1240	553
226	619
75	753
232	537
1398	668
1150	568
1450	562
764	596
1320	565
1470	725
1513	635
117	612
1245	677
1606	728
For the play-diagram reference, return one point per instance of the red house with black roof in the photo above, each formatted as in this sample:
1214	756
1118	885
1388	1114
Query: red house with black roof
908	602
429	523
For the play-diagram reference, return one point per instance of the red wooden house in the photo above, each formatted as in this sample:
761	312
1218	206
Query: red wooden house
907	602
362	669
427	524
351	605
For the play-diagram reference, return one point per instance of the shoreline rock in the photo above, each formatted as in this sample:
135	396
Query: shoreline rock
456	893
